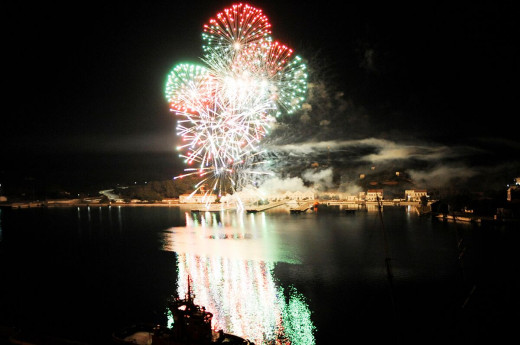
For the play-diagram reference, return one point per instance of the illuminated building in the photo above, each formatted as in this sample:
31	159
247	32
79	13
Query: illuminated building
373	194
415	194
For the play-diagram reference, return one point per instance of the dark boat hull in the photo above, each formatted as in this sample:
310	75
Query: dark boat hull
147	334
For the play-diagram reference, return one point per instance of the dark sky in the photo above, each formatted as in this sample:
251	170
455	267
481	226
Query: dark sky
85	79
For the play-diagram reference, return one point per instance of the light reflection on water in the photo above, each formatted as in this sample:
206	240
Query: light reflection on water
230	258
329	262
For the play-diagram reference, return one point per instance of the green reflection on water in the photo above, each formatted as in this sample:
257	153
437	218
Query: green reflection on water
296	316
230	260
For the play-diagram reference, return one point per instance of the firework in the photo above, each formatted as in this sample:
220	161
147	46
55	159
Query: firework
235	28
286	74
226	108
189	87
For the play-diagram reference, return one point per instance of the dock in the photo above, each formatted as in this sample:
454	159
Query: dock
260	208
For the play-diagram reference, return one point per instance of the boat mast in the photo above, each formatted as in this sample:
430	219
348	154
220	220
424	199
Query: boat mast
388	264
188	294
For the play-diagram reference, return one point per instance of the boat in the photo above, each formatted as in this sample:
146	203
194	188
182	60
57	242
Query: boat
141	334
296	211
458	218
191	325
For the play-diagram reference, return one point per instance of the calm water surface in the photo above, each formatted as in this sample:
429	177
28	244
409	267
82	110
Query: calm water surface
314	278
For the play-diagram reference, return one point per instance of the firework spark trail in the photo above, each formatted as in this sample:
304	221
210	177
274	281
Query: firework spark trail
215	126
226	108
221	137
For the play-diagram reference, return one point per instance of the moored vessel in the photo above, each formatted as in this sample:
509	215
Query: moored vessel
191	325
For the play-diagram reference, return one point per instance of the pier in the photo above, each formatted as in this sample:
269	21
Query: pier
302	207
260	208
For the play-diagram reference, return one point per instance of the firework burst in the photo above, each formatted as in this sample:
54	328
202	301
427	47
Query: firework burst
235	28
226	107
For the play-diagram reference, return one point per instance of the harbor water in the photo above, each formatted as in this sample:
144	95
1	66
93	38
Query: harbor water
319	277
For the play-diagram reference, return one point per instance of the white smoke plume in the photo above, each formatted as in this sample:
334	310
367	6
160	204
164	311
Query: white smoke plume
441	176
429	165
277	185
321	179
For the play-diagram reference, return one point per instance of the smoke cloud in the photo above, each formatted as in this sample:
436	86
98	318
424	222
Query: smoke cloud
442	176
278	185
428	165
320	179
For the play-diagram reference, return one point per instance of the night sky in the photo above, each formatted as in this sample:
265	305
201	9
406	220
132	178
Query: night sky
85	80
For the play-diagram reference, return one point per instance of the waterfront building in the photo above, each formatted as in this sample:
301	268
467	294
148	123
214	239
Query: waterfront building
373	194
415	194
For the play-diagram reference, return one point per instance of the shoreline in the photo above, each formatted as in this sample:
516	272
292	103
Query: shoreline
54	204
